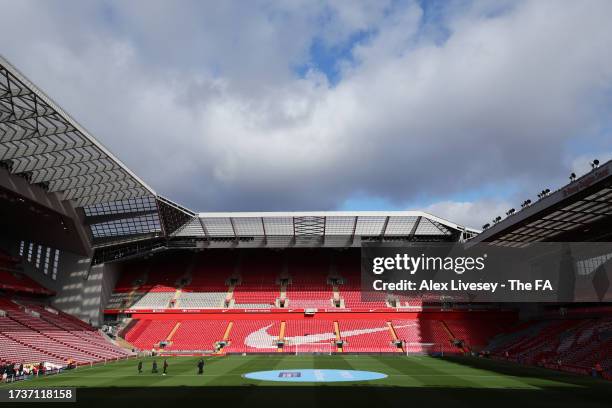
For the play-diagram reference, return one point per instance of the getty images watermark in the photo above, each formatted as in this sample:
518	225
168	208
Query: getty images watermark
538	272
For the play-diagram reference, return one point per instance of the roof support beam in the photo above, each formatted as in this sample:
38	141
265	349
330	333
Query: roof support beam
265	235
384	228
231	220
99	219
354	230
415	227
206	234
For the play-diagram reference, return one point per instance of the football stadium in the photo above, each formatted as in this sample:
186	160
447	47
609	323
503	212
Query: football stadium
165	252
125	295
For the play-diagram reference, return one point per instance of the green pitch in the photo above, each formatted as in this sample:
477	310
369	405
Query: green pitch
433	381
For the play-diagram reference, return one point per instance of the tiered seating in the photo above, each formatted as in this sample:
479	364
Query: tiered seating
253	336
424	336
308	287
14	351
309	336
349	268
577	343
153	300
201	300
13	280
121	300
198	335
210	273
591	344
130	279
372	336
7	262
207	286
147	333
83	335
258	287
51	337
165	274
474	333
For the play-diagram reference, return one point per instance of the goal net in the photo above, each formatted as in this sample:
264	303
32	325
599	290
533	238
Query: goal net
314	348
419	349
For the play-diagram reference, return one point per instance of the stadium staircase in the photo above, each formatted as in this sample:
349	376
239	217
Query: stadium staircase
281	336
282	300
175	301
394	336
226	337
171	334
339	348
453	337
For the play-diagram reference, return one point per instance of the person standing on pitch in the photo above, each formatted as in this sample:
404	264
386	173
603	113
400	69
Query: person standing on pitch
201	366
165	366
154	370
140	367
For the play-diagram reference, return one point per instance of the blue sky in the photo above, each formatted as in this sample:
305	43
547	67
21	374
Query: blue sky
460	108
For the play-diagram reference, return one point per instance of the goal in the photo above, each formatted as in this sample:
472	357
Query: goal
416	349
314	348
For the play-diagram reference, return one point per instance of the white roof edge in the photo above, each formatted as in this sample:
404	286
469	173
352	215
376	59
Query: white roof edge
275	214
72	121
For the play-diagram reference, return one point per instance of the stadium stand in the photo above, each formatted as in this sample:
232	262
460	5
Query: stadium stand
163	258
147	334
253	336
349	270
197	335
154	300
474	333
12	279
258	281
33	333
424	336
575	344
308	286
367	336
300	336
205	285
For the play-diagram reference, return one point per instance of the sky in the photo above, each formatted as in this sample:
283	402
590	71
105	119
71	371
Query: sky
463	109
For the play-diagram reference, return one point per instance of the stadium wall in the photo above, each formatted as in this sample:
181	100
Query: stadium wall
82	292
12	247
38	229
506	316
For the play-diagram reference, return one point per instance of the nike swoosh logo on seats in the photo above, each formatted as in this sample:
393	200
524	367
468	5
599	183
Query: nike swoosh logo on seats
260	339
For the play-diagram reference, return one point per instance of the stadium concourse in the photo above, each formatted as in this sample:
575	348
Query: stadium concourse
95	266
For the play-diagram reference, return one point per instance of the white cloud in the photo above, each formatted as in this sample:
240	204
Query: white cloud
582	164
202	100
469	213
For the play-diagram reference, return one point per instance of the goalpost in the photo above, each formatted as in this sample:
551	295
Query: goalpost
314	349
423	349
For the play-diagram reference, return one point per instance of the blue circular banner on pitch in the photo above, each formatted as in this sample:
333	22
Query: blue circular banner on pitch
312	375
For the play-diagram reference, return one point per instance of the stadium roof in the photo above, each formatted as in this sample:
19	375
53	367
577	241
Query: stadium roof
40	140
578	207
336	228
43	144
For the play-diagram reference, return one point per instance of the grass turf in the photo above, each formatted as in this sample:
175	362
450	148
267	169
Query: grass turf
429	380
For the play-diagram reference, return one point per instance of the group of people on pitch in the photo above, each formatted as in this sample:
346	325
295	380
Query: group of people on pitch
154	369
